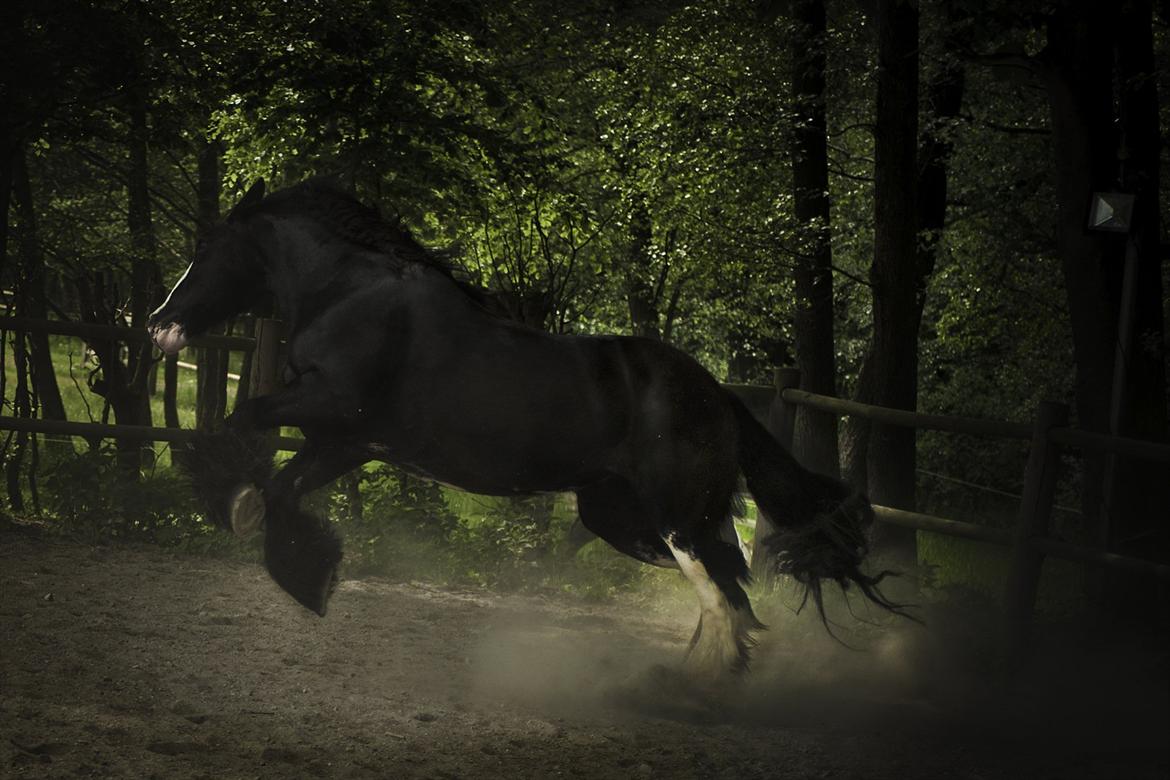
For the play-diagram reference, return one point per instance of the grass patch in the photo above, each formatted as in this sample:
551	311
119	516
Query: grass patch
983	568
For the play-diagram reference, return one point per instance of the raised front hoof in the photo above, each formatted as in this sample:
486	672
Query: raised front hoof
307	574
303	555
246	511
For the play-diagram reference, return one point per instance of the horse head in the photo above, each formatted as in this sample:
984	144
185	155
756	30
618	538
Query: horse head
225	276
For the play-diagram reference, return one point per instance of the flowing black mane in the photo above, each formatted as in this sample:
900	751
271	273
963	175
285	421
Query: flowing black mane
339	212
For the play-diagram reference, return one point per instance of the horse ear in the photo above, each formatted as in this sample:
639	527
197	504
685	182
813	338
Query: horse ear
254	195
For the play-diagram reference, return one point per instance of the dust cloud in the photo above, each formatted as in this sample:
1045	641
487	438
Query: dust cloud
873	674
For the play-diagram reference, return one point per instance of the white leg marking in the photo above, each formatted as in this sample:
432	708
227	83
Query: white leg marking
715	651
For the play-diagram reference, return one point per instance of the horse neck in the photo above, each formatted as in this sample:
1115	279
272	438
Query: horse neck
301	262
296	268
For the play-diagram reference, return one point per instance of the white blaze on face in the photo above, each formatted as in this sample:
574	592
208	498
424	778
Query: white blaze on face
170	338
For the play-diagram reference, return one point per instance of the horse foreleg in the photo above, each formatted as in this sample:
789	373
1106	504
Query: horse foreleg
305	402
302	552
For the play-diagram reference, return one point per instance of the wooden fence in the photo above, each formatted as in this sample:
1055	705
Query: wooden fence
1030	542
264	376
776	406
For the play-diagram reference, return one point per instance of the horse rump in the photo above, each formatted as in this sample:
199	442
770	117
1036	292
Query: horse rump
821	522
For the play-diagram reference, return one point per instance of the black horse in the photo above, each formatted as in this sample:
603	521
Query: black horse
392	358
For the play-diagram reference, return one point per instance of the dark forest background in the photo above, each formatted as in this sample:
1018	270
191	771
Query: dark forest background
890	196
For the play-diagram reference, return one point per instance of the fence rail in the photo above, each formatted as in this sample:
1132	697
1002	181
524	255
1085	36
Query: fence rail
263	378
1054	548
107	431
931	422
118	332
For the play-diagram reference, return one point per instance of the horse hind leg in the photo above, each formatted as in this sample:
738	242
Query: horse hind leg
723	640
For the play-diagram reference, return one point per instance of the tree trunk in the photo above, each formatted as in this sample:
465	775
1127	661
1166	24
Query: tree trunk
891	461
130	398
22	407
170	391
855	432
7	159
43	377
640	294
944	98
816	432
1091	50
211	377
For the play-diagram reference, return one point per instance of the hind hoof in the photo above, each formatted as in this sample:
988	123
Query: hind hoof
247	511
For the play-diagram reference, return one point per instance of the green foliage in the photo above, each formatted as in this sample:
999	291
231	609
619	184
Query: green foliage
408	528
89	498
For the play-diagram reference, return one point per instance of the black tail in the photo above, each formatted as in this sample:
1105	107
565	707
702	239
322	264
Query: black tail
820	522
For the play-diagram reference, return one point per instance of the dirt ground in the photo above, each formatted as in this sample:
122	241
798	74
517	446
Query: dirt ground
135	662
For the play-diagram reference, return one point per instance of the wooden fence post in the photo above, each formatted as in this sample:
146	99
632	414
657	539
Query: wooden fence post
781	424
266	357
1033	522
782	416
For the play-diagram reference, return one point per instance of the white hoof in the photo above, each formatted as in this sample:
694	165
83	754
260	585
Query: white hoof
247	511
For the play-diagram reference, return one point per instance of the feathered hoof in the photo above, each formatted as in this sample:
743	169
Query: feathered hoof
246	511
302	554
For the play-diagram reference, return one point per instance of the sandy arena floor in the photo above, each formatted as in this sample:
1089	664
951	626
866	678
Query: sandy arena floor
135	662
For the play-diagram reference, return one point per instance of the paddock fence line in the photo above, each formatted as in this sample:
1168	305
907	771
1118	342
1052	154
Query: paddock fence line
1030	542
265	346
116	333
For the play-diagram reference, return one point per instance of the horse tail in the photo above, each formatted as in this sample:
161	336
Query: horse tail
820	522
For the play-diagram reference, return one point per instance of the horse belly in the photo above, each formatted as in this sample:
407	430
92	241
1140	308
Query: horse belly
498	451
514	478
495	409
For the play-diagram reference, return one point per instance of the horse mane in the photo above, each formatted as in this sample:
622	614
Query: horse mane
341	213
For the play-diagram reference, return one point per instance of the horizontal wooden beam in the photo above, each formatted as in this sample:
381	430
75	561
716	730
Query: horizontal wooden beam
105	431
941	525
117	332
1134	448
1053	548
935	422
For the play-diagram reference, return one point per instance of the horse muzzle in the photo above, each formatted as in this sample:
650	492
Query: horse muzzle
170	338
